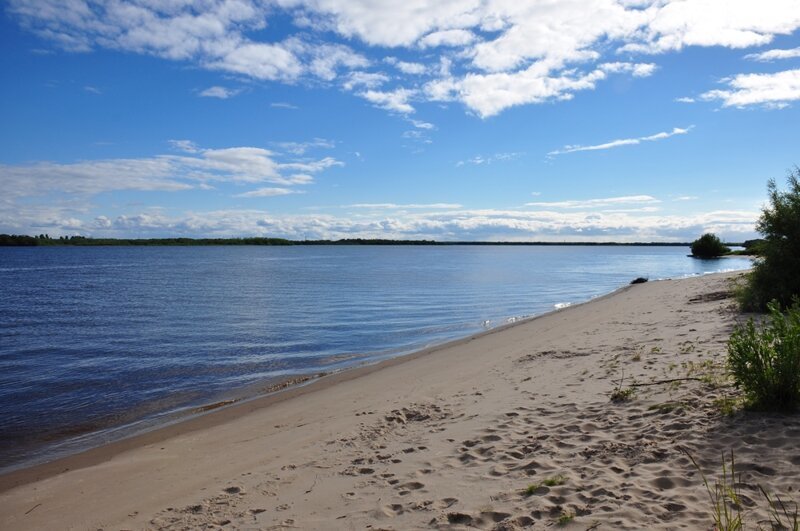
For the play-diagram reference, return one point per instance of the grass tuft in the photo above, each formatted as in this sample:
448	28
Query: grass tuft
725	496
565	517
553	481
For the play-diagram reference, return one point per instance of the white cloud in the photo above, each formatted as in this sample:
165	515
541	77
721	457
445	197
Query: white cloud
597	203
636	69
729	23
311	166
411	206
685	99
453	37
622	142
300	148
773	55
93	90
328	58
497	157
492	54
195	168
772	90
283	105
222	93
267	192
369	80
395	100
407	67
419	124
490	94
260	61
398	221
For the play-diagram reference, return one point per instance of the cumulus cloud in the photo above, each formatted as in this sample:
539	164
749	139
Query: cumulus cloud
213	34
492	55
328	58
407	67
453	37
394	100
622	142
195	168
775	90
774	55
403	222
733	24
368	80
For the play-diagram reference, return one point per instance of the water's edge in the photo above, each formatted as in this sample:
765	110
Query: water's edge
269	390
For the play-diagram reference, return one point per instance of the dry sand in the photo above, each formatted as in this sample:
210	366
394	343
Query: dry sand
453	437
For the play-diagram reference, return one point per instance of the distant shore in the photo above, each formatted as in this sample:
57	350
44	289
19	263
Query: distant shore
8	240
507	429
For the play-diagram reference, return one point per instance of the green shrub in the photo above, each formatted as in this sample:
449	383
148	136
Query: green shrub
775	273
708	246
765	360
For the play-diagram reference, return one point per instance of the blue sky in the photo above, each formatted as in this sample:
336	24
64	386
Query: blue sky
626	120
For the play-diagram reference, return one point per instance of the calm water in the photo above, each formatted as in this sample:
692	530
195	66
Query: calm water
94	339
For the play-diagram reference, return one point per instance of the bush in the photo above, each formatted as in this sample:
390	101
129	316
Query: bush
765	360
775	273
708	246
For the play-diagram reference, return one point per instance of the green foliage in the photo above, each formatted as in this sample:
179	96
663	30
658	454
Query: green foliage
618	394
14	240
622	395
708	246
765	360
554	481
725	496
753	246
726	500
781	515
775	274
565	517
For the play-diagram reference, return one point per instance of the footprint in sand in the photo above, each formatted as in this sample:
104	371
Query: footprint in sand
392	510
445	503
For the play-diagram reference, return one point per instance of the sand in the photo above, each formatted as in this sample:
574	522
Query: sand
511	429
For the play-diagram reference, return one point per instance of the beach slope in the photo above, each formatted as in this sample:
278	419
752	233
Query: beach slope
506	430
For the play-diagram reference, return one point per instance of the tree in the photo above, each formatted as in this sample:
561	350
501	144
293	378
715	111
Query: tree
776	273
708	246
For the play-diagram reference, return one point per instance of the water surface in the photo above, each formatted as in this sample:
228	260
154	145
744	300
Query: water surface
97	338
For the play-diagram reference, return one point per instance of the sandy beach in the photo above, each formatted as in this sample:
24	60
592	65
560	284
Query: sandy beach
511	429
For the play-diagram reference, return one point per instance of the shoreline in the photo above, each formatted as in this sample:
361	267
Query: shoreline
520	411
233	406
239	397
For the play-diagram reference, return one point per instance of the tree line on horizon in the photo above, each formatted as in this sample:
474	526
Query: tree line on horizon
42	240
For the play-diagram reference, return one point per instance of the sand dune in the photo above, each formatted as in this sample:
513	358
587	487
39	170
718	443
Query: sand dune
512	429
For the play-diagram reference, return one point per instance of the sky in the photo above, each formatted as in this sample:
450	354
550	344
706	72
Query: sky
496	120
